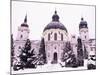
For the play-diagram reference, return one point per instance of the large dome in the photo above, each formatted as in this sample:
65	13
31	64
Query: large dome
55	24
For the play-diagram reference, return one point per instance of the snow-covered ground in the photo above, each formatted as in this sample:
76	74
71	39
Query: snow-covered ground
49	68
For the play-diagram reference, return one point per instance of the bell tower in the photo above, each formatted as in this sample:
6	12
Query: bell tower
84	35
23	31
83	30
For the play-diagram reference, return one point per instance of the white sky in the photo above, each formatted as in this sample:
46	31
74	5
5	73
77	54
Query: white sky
40	14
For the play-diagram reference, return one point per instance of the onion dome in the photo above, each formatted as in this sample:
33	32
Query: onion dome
55	24
25	22
83	24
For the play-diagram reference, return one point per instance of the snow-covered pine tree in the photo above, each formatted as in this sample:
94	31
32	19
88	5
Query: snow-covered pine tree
42	52
66	50
27	55
17	61
68	56
80	53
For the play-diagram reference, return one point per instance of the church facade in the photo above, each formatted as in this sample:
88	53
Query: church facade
55	36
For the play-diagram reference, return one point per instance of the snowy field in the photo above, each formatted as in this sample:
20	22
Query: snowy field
49	68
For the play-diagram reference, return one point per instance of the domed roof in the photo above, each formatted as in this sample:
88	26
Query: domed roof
55	24
83	24
55	17
24	25
25	22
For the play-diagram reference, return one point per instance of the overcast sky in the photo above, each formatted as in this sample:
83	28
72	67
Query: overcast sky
40	14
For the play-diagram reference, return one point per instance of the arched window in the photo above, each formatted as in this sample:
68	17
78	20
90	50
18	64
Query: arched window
21	36
85	37
62	37
55	36
48	36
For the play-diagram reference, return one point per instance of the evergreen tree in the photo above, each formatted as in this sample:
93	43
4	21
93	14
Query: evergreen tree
42	51
68	56
85	53
12	50
27	55
80	53
66	51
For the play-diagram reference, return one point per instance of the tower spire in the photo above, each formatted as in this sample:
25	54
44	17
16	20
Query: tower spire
82	18
55	11
25	20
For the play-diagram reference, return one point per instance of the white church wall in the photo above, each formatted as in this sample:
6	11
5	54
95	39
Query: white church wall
24	31
84	32
54	46
53	31
92	45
